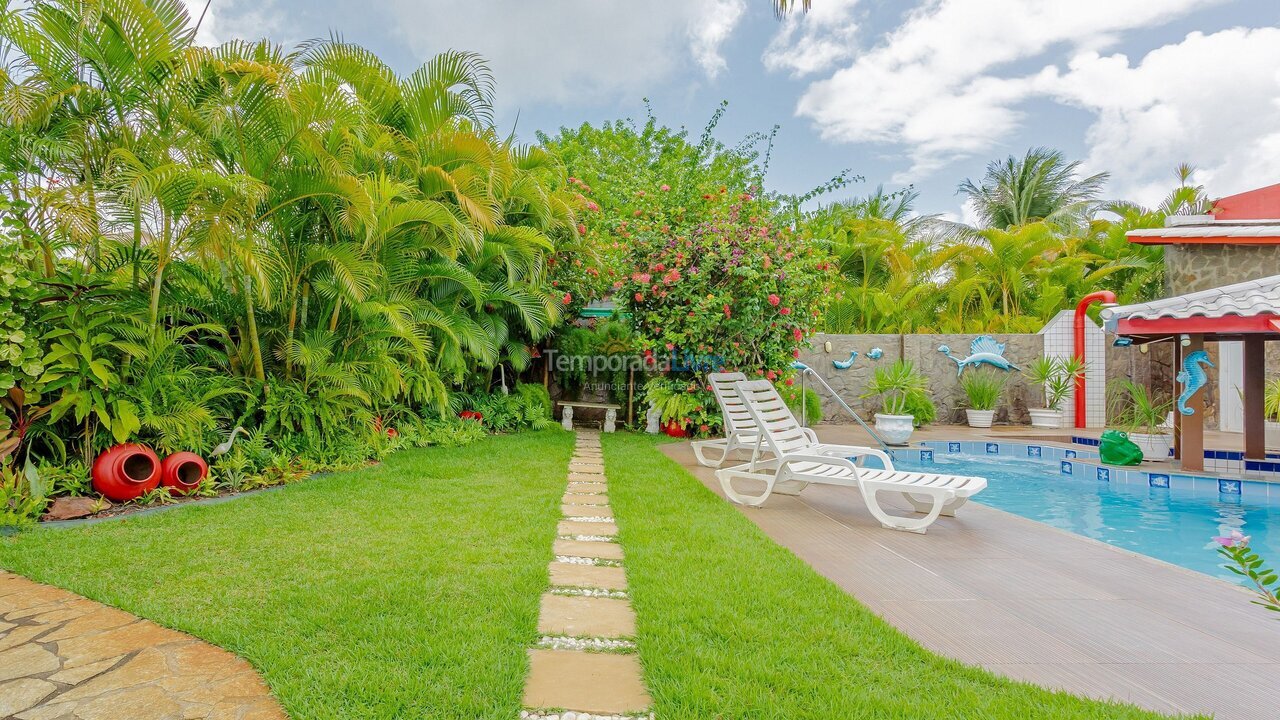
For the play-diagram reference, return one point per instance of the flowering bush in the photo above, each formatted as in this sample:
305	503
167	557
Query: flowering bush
720	282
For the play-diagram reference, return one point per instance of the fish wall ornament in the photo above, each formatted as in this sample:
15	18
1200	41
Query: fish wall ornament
983	350
846	364
875	353
1192	377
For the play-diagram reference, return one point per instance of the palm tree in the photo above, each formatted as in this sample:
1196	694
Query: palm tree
782	8
1040	186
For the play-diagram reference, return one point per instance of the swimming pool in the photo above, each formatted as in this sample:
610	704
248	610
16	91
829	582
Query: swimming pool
1172	524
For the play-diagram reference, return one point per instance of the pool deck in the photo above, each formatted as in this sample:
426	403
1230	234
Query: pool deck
1036	603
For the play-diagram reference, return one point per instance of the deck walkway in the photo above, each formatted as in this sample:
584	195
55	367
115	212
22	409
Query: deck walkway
1036	603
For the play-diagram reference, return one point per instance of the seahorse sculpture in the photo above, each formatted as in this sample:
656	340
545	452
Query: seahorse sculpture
846	364
1192	377
983	349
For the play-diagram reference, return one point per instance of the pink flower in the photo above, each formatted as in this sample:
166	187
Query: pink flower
790	382
771	375
799	335
671	346
785	310
665	187
617	285
727	312
1234	539
774	299
592	206
639	297
568	298
582	229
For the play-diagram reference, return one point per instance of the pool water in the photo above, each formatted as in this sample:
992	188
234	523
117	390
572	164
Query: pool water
1176	526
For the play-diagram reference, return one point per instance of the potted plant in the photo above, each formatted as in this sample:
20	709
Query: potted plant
982	389
1271	405
1056	376
1138	413
900	386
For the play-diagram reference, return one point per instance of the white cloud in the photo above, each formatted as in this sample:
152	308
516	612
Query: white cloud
237	19
204	33
580	51
940	84
826	35
710	28
1211	100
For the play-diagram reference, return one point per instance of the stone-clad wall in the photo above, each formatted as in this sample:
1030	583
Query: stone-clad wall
938	369
1189	268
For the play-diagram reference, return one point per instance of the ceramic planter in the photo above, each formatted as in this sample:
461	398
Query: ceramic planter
895	429
980	418
1273	434
1154	447
183	471
126	472
1046	418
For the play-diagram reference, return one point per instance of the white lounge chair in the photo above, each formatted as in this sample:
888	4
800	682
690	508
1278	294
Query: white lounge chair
739	429
798	459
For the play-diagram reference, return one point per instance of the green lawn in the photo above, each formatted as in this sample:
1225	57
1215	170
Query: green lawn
411	590
731	625
407	590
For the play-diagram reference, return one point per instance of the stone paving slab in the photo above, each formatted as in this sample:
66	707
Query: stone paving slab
579	511
586	617
576	527
588	576
587	487
588	548
581	499
585	682
63	657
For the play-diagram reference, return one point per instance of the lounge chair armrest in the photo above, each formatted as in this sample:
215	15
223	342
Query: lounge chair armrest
817	458
848	451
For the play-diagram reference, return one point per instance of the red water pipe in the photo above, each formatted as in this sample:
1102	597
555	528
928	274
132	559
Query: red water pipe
1102	296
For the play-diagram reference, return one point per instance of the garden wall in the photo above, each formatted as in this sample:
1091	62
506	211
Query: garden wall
938	369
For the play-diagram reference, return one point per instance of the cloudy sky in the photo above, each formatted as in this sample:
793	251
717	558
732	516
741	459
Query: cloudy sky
921	92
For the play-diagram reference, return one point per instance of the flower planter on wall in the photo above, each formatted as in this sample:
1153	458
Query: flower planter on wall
1154	447
126	472
1045	418
980	418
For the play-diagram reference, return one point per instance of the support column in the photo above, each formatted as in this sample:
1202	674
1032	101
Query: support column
1191	445
1255	370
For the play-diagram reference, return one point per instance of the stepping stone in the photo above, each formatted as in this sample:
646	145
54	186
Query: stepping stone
577	527
579	469
588	548
588	576
577	511
585	682
586	617
576	499
587	487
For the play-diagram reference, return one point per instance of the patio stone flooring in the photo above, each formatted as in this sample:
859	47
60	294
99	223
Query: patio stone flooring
63	657
590	669
1035	603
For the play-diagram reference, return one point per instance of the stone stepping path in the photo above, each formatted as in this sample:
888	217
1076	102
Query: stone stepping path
63	657
585	666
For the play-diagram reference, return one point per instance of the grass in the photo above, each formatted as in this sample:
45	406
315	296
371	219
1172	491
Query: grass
409	589
732	625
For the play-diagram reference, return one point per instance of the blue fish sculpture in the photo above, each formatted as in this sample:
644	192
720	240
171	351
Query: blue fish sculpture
1192	377
983	349
875	353
846	364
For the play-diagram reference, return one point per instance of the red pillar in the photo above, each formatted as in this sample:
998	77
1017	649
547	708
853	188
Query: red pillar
1102	296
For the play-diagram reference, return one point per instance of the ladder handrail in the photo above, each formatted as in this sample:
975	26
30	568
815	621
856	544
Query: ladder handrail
806	370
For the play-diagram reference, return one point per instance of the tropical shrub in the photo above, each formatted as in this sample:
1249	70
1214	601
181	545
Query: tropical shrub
902	390
1055	376
982	389
1135	408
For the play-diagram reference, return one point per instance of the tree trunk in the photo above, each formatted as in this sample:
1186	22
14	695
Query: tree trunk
254	345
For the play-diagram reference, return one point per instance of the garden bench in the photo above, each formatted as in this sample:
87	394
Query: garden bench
610	413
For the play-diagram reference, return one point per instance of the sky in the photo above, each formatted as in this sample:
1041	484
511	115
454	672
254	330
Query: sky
901	92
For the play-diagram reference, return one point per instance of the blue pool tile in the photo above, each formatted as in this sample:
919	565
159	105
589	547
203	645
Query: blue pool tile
1182	482
1158	480
1104	475
953	447
1260	466
926	456
993	448
1065	467
1229	487
1069	453
1033	451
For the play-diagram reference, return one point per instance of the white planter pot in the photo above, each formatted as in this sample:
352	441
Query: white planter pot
1273	434
980	418
1154	447
1046	418
895	429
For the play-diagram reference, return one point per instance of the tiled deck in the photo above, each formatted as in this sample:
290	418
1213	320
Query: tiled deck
1036	603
